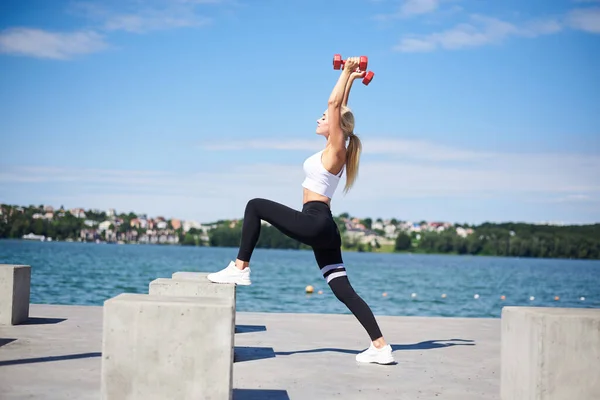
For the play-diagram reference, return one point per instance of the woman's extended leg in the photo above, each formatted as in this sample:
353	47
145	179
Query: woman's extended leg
302	226
332	268
293	223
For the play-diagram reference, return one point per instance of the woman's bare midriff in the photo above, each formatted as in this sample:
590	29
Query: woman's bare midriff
309	195
329	163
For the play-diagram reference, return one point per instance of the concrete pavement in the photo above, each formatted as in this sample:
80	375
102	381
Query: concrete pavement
57	355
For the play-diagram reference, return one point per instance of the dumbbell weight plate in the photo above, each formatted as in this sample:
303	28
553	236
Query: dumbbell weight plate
368	77
337	61
362	64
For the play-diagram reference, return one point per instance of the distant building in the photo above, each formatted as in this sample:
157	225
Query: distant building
162	225
175	223
187	225
77	212
377	225
103	226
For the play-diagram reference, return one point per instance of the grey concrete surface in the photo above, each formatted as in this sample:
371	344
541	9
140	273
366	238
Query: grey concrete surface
15	286
277	357
195	276
550	353
191	287
167	347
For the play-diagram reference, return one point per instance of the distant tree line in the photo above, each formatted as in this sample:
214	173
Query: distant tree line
14	224
510	239
506	239
270	238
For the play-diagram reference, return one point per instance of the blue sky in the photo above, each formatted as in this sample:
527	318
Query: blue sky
479	110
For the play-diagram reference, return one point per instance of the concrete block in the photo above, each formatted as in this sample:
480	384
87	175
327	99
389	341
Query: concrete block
200	276
15	288
179	286
194	287
550	353
167	347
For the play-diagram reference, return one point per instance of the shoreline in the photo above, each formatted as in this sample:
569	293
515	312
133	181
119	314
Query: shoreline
344	249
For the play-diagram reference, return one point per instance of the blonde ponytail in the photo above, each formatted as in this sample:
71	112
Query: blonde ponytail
354	147
352	161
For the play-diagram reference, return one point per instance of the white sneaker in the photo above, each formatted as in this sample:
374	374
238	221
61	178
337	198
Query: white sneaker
231	274
375	355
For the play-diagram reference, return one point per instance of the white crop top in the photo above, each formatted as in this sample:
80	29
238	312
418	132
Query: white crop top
318	179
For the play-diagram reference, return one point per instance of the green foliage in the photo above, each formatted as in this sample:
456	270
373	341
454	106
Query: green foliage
506	239
403	242
269	238
223	236
340	223
98	217
367	222
16	222
518	240
190	240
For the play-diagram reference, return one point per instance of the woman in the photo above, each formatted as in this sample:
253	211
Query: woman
315	225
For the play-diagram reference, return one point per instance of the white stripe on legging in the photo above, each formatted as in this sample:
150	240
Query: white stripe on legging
336	275
328	268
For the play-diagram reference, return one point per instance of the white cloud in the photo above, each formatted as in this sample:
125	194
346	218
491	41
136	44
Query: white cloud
411	8
574	198
421	150
130	16
135	17
481	30
585	19
415	45
394	171
152	21
267	144
46	44
416	7
431	169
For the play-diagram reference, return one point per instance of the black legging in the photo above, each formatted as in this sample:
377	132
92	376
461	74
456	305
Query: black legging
315	227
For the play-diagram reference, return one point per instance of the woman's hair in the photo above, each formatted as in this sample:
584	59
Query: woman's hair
354	147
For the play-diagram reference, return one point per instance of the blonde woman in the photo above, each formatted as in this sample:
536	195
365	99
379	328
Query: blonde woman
314	225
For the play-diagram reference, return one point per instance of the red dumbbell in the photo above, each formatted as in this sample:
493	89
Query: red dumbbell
362	66
368	77
339	63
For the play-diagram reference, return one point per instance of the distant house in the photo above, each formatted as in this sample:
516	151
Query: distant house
103	226
162	225
187	225
77	212
175	223
390	231
31	236
377	225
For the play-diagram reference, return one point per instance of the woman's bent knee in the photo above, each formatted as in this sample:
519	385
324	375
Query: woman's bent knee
253	205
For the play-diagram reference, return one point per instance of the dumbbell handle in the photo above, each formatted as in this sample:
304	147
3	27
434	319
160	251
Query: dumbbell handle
337	58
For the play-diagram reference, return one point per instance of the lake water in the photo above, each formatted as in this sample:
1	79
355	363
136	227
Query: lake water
88	274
